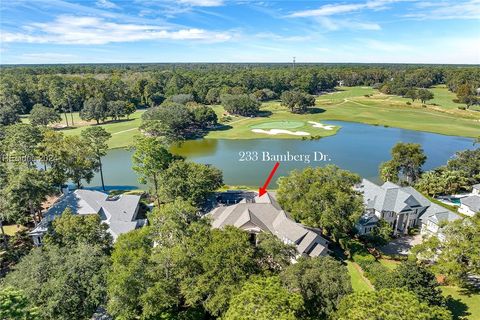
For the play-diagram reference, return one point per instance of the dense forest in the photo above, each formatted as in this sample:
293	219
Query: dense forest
118	89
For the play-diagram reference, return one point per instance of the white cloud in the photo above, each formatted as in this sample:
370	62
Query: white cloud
106	4
325	15
202	3
92	30
336	24
328	10
447	10
334	9
364	25
278	37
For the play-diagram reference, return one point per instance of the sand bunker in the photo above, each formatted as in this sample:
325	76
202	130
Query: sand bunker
281	131
286	124
319	125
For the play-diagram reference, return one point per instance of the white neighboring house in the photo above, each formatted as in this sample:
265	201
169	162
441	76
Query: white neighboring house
264	214
435	219
470	205
476	189
120	213
402	208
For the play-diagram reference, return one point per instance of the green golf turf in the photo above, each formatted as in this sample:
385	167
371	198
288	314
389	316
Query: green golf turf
278	125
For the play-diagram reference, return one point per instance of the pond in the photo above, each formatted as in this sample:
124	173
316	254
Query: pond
356	147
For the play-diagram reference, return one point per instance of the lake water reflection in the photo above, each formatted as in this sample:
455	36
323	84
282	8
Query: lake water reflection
357	147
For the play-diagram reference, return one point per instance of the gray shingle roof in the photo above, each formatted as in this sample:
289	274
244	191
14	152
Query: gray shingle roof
368	220
390	197
446	216
473	202
267	215
118	212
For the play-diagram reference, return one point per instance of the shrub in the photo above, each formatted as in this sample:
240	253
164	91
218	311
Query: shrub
352	247
182	98
363	258
342	242
397	257
409	103
375	272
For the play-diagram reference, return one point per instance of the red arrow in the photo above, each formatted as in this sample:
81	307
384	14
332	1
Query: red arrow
263	190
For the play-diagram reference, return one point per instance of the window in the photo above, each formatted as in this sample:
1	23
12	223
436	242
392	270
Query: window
253	238
311	248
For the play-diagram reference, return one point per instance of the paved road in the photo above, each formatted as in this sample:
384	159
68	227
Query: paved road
401	245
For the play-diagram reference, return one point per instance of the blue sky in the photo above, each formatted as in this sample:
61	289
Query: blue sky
401	31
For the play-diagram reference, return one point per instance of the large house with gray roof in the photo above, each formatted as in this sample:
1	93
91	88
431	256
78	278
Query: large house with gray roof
402	208
120	213
470	205
264	214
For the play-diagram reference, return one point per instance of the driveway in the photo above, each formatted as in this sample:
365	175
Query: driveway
401	245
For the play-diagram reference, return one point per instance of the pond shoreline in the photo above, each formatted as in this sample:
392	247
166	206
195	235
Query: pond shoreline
357	147
303	138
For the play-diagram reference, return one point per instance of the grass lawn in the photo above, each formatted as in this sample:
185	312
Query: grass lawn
13	229
444	98
122	131
356	104
285	124
464	305
386	110
343	93
360	104
390	264
359	282
272	116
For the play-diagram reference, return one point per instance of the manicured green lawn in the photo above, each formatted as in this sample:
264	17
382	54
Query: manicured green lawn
464	306
343	93
359	282
390	264
385	110
122	131
351	104
273	116
285	124
356	104
12	229
444	98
